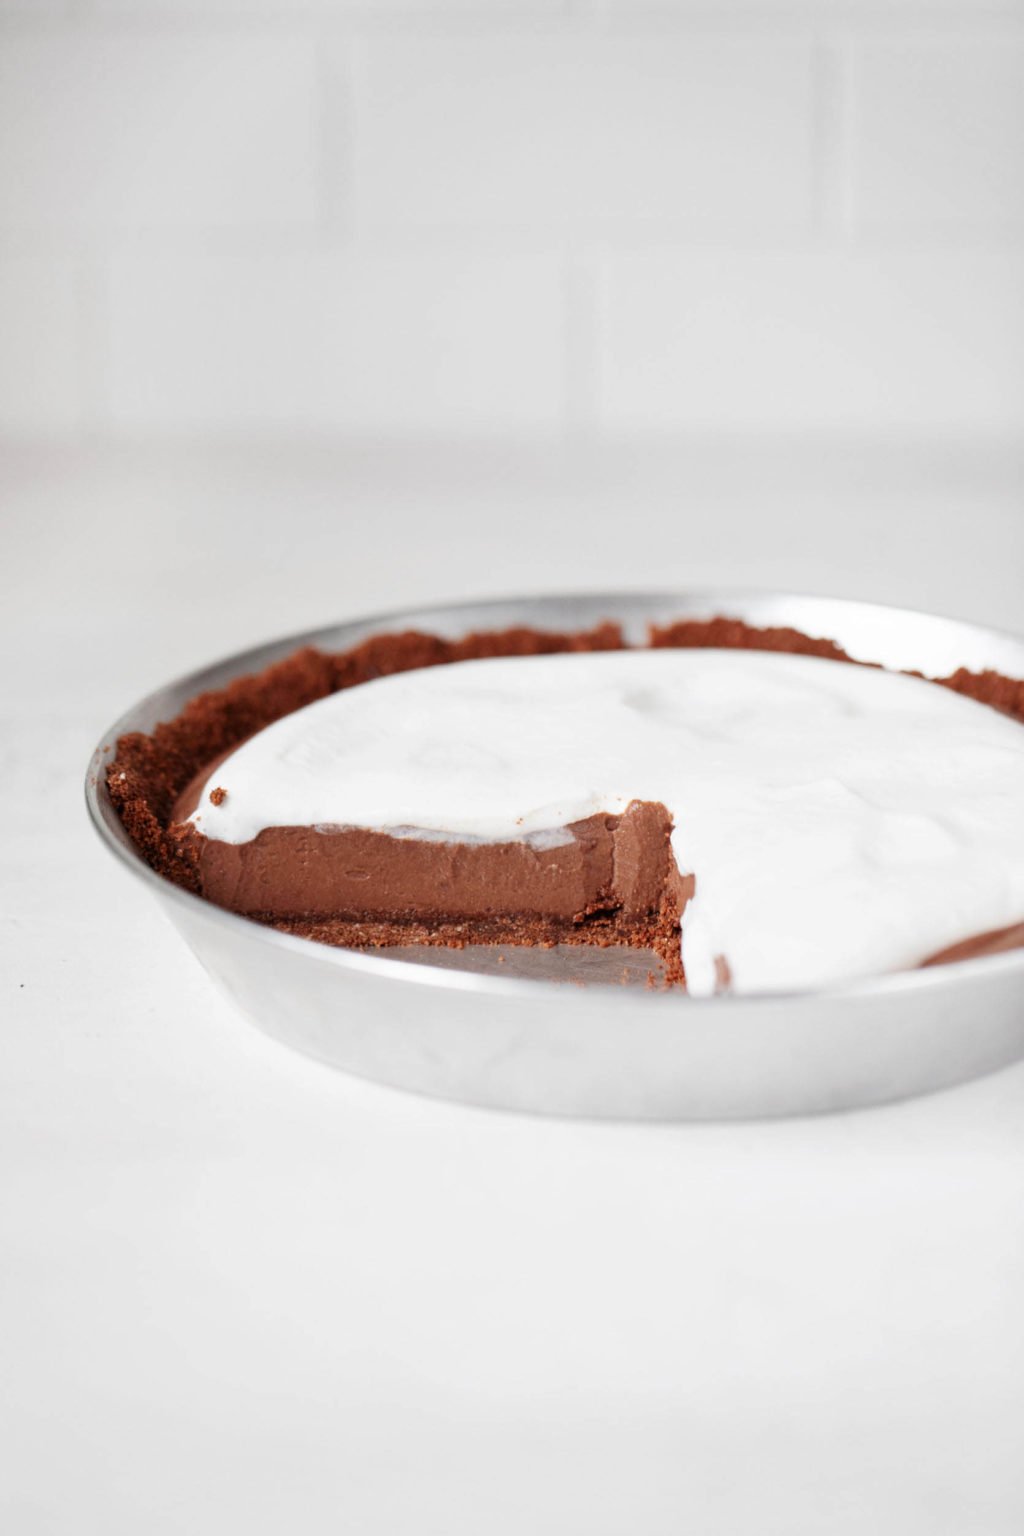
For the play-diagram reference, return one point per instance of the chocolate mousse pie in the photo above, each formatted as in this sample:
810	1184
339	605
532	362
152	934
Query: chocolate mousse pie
747	805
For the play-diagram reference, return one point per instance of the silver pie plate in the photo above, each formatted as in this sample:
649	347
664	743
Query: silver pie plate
564	1032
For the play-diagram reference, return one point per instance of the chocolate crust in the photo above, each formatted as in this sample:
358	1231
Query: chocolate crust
149	774
657	933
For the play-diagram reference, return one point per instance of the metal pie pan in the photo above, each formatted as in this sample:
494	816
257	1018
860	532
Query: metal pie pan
514	1037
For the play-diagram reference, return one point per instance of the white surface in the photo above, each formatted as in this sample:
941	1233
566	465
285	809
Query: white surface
243	1293
841	821
436	216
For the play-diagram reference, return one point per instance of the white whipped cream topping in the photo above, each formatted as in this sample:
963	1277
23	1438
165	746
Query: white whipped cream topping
841	821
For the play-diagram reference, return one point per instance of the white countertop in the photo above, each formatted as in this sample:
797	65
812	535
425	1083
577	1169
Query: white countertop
244	1293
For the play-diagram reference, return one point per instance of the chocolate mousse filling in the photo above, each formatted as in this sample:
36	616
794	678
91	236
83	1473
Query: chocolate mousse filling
603	880
607	880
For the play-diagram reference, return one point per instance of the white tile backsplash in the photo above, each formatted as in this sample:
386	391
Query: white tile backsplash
938	133
373	342
35	10
116	131
568	132
40	344
479	217
782	340
367	14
